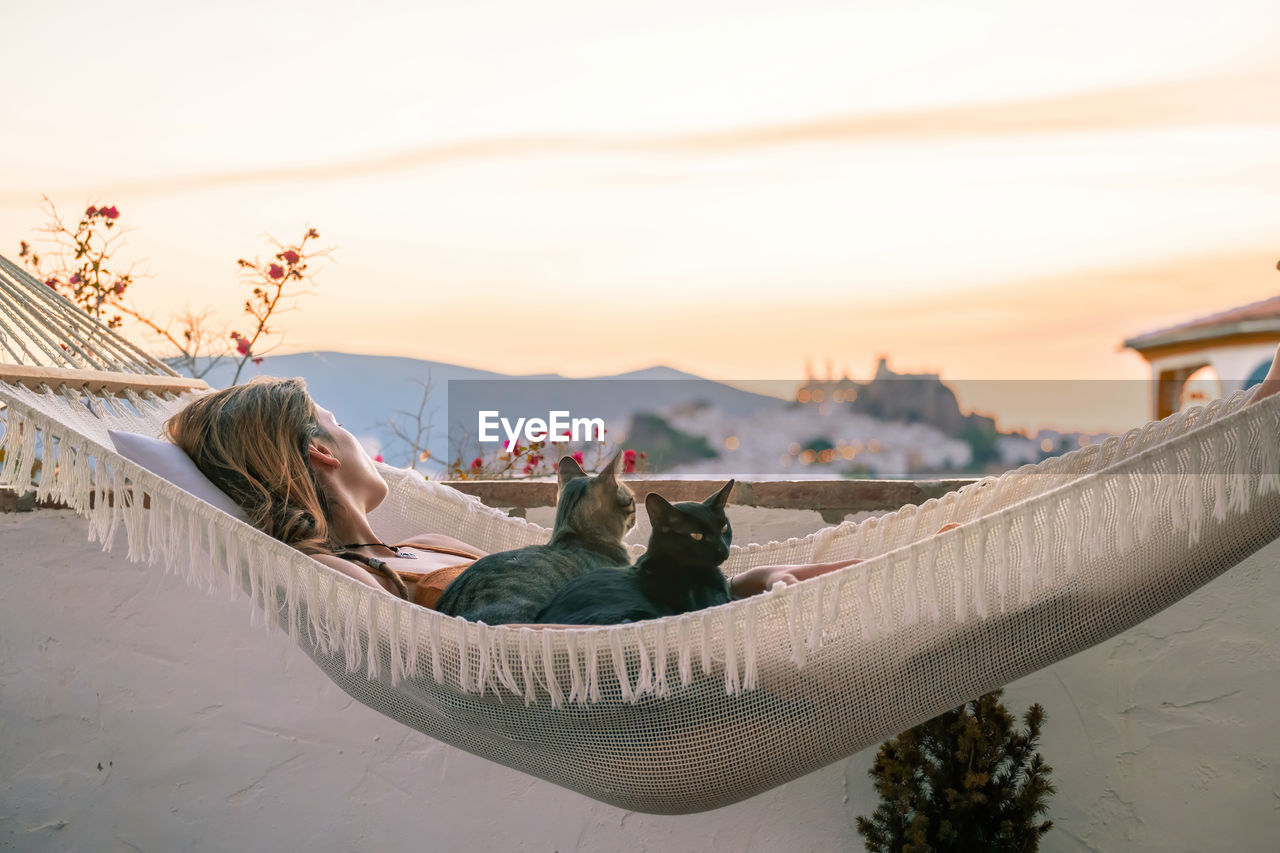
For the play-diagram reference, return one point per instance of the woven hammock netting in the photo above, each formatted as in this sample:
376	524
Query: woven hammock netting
694	712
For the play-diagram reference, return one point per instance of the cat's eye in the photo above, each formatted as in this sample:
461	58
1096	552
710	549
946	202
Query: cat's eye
723	529
695	536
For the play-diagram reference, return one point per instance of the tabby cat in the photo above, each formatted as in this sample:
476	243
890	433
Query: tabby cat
679	572
592	516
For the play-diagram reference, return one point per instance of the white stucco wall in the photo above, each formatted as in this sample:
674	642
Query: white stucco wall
1233	363
140	714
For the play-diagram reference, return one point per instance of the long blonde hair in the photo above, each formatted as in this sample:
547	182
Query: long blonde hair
253	442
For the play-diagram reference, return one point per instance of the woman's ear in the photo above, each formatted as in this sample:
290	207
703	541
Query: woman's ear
322	456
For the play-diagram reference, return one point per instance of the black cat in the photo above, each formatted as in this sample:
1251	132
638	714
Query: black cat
679	572
592	516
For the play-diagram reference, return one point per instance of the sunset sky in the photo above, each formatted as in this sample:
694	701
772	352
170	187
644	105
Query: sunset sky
985	189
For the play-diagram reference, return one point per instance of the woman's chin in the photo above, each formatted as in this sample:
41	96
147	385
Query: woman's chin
377	497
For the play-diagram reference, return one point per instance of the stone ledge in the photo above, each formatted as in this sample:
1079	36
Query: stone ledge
834	499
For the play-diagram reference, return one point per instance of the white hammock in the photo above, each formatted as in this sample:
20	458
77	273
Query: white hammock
698	711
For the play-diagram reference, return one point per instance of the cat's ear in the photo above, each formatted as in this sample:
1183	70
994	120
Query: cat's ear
567	470
659	509
609	473
720	498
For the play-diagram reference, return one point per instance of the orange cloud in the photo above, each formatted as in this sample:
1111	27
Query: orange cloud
1233	98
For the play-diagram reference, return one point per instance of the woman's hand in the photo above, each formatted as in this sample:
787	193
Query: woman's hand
757	580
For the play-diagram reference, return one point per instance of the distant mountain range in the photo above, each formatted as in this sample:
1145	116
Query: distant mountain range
366	392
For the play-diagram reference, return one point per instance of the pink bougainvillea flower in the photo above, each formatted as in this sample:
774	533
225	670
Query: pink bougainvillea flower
643	455
75	278
242	346
109	212
119	289
52	282
378	458
91	211
577	457
290	256
257	360
628	461
526	469
476	463
276	271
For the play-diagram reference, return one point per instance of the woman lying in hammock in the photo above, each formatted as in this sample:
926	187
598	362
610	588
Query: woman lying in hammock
304	479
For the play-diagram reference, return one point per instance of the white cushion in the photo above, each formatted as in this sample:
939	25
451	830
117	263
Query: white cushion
170	462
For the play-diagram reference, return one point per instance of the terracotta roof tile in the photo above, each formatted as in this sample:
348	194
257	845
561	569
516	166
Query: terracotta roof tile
1262	310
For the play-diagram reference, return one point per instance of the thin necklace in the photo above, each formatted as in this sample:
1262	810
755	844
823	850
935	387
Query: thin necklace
405	555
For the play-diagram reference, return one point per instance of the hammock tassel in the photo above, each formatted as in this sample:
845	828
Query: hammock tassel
795	625
685	650
932	604
660	687
1195	505
526	667
1240	492
315	616
434	627
1126	518
911	602
350	631
1144	499
291	603
816	611
396	638
704	635
1269	451
593	667
549	670
1218	448
749	639
1000	555
1072	537
866	613
504	645
644	681
975	568
1027	577
952	543
373	635
1096	497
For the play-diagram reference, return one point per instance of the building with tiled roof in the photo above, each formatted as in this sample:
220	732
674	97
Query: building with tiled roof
1236	345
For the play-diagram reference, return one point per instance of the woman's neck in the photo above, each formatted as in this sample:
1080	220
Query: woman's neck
351	528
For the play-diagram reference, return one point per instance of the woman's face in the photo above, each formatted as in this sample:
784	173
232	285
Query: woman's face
356	473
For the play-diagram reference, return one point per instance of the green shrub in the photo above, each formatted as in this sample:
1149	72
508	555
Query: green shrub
964	781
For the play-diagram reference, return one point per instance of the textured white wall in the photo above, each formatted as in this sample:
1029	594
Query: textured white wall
212	736
1233	363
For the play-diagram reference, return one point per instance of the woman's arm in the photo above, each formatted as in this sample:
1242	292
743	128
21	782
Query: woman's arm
761	578
440	540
